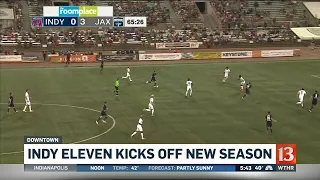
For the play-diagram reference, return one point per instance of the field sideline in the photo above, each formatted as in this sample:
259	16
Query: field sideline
215	114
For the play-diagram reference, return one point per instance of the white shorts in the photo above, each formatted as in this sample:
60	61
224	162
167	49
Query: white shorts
226	76
189	88
301	99
242	83
150	106
139	128
28	103
128	74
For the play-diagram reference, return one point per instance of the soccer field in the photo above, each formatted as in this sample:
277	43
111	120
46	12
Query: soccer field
67	101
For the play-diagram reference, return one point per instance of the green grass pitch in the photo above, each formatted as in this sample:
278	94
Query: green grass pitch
215	114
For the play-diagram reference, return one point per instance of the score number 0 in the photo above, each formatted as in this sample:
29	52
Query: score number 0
73	21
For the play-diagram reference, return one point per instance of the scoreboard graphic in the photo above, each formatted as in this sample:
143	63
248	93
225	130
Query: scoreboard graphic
84	16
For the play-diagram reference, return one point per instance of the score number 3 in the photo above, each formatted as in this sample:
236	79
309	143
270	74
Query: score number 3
82	21
286	154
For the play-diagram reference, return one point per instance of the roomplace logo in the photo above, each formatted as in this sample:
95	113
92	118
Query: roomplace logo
78	11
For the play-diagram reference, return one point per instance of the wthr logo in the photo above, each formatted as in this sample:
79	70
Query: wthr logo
286	154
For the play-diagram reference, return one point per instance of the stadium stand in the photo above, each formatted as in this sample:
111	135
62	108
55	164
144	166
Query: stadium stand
155	11
242	21
187	10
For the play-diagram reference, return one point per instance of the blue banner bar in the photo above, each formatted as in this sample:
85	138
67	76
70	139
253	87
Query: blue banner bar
157	168
60	21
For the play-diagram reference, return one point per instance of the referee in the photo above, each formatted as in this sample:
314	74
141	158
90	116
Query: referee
117	85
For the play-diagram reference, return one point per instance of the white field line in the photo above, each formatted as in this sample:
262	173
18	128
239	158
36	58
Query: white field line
79	107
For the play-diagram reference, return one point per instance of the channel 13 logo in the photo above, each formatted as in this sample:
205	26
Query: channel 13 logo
118	22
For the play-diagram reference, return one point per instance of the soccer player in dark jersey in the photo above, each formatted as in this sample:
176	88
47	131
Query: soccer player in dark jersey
314	97
117	85
153	79
11	104
101	66
269	122
248	87
68	59
103	114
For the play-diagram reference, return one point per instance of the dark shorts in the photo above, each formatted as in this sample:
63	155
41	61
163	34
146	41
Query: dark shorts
103	113
11	105
117	88
247	91
269	124
314	102
101	66
153	79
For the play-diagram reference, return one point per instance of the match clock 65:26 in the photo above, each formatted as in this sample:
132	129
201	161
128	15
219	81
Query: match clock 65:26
135	22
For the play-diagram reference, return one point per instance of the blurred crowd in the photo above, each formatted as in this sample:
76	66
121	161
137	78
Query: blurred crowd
153	10
238	19
186	10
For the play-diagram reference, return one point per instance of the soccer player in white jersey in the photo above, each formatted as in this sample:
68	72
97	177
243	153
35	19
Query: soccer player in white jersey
226	74
301	93
139	128
189	88
242	83
150	106
28	103
128	75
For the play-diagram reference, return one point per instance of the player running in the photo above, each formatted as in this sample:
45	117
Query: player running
11	104
153	79
128	75
150	105
301	93
248	87
101	66
226	74
28	103
242	83
269	122
189	88
103	114
117	85
139	128
315	97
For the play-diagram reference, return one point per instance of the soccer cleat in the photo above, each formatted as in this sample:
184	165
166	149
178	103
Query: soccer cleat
310	110
31	111
104	121
143	138
24	111
17	111
130	80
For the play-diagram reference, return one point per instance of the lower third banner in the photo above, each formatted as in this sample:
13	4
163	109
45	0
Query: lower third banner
73	58
159	168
